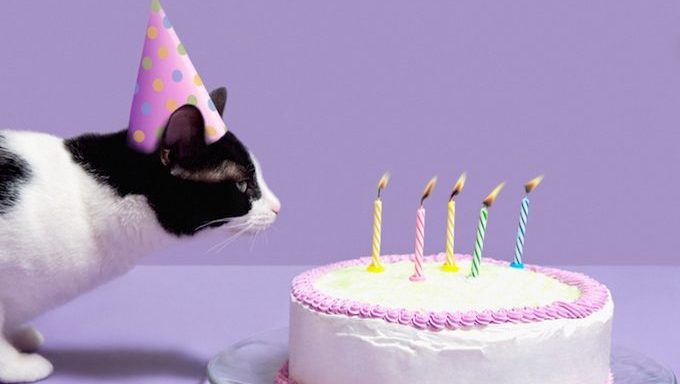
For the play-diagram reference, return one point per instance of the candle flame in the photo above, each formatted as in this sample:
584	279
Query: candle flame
533	183
492	196
383	181
428	189
459	185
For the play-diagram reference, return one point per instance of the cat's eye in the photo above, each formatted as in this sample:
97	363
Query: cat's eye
242	186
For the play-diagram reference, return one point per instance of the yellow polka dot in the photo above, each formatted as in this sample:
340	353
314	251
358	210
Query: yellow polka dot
171	105
157	85
138	136
152	32
197	80
163	52
210	130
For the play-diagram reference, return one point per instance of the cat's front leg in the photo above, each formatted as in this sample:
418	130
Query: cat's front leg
17	367
26	339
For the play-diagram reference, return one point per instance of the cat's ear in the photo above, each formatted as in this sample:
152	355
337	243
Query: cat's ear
219	98
184	136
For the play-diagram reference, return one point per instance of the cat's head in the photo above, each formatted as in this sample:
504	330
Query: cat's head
214	185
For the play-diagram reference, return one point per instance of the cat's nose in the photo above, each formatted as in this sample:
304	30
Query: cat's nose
276	207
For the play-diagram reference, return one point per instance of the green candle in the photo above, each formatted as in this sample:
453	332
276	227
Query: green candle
481	230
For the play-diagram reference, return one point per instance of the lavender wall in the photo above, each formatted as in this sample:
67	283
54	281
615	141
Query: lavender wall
330	94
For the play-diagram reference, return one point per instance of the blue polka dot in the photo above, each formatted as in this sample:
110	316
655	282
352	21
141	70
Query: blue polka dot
211	105
136	89
166	22
177	75
146	108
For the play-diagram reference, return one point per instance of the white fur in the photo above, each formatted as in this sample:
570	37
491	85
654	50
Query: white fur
264	210
67	234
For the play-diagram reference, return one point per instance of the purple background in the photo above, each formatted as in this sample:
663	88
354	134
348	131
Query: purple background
331	94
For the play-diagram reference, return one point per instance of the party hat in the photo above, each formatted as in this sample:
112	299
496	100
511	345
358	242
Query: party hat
166	80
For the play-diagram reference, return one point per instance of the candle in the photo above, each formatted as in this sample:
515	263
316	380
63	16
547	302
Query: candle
450	263
481	230
376	266
521	230
420	233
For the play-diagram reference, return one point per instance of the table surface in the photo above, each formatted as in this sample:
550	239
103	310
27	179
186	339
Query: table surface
161	324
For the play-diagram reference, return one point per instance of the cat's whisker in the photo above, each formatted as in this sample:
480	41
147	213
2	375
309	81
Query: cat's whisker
214	246
240	225
223	243
226	241
217	245
233	238
257	233
221	220
243	229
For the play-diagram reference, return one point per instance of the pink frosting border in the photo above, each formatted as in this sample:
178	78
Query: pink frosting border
594	296
283	376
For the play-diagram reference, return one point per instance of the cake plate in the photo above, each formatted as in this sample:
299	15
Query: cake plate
257	359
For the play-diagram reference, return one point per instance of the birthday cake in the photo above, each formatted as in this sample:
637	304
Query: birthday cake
511	326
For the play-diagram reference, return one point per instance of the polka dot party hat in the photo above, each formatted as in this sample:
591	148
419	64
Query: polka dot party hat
166	80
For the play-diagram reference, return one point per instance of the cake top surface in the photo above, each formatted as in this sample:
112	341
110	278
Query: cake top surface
496	288
448	300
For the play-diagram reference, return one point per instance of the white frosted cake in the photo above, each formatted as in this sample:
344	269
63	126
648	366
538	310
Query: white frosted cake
509	326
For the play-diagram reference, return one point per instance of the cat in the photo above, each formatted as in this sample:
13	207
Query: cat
76	213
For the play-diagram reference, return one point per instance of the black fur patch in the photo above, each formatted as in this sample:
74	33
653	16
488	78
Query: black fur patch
181	205
14	171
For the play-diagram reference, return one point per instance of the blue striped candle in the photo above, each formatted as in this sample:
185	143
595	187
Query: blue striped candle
521	231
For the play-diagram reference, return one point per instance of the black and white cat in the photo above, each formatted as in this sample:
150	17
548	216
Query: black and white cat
76	213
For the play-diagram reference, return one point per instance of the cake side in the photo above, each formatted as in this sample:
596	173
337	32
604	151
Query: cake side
335	340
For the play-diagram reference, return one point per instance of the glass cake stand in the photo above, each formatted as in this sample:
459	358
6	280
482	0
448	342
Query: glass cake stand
257	359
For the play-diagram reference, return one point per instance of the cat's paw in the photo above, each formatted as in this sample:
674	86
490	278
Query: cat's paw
27	339
24	368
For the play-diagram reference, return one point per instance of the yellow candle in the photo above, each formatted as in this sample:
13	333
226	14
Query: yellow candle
450	263
376	266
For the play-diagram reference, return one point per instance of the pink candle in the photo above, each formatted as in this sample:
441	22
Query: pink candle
420	233
420	243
